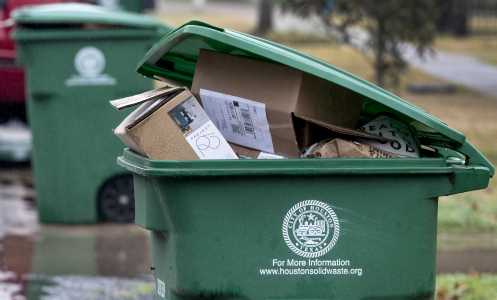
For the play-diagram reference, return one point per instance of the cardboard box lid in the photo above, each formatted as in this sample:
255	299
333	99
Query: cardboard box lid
174	57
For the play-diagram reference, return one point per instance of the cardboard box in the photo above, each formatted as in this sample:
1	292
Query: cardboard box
170	125
310	131
272	90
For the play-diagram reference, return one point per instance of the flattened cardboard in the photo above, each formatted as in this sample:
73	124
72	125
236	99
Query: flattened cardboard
130	101
284	90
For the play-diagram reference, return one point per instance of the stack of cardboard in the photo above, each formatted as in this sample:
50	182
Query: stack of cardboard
253	108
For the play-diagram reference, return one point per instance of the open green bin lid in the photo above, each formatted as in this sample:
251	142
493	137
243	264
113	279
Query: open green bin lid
175	57
50	16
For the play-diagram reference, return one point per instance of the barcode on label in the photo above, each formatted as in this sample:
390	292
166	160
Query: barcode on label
232	110
236	128
247	121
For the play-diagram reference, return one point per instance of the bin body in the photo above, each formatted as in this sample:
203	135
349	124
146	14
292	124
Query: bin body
297	228
217	228
71	76
128	5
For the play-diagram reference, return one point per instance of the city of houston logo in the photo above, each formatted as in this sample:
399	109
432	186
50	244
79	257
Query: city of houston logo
311	228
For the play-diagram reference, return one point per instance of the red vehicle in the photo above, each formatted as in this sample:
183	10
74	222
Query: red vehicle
12	95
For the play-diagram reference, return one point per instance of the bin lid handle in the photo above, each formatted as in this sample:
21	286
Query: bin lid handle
474	157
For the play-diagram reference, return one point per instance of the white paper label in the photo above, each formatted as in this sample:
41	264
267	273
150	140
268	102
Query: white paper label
403	144
241	121
264	155
161	288
202	135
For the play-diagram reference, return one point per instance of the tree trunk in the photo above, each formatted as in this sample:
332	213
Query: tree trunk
380	58
460	18
265	17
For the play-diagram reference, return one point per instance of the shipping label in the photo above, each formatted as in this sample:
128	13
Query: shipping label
240	120
264	155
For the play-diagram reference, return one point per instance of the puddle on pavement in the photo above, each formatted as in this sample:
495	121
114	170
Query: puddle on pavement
104	249
98	257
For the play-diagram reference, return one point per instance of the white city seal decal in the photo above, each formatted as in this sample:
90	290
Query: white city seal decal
90	63
311	228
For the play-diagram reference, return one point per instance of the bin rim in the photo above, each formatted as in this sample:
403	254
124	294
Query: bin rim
78	13
173	47
67	35
144	166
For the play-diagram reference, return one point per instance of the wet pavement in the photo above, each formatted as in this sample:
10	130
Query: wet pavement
39	261
112	261
105	261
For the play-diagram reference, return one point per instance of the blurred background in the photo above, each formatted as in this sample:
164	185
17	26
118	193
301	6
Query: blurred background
438	55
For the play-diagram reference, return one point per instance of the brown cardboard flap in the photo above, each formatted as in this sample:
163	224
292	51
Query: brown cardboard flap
321	99
130	101
275	85
169	82
240	150
346	131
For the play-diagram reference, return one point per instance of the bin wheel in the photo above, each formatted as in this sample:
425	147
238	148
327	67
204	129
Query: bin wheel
116	200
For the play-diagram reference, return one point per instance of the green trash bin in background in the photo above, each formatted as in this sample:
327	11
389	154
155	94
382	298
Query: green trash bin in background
77	59
223	229
136	6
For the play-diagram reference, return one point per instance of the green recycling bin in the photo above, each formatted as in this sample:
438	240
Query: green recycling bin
75	58
136	6
226	229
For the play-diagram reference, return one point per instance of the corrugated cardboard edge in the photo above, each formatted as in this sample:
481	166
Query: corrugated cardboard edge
130	101
121	133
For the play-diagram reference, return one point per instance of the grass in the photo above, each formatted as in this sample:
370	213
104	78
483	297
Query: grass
472	286
467	213
484	47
